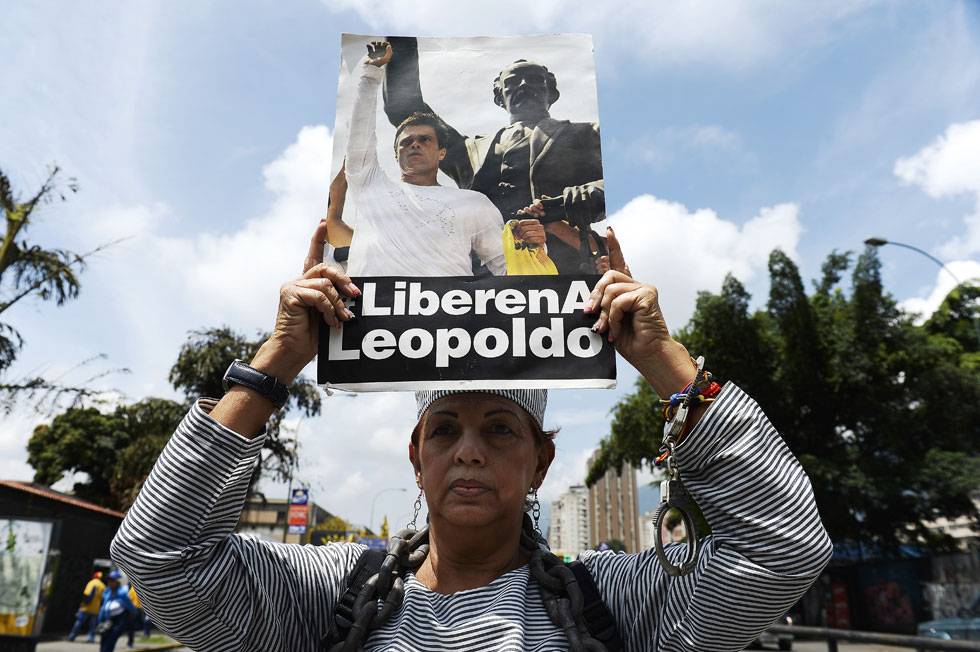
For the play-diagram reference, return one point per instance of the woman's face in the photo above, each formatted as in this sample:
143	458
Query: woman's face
476	457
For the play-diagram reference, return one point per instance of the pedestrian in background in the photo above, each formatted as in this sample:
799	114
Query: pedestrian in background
88	611
139	620
117	608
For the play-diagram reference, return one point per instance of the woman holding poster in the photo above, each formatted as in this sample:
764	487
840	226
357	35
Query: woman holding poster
477	577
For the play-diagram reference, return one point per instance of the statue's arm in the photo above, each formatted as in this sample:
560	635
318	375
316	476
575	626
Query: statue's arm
402	93
402	89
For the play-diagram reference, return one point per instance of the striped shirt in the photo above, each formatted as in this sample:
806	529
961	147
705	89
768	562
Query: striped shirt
215	590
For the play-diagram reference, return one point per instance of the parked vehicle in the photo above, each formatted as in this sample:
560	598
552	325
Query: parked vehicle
965	626
783	641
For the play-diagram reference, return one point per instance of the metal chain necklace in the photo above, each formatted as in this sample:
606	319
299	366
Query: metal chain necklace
407	550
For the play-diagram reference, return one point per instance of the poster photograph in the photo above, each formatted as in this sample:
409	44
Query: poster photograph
467	187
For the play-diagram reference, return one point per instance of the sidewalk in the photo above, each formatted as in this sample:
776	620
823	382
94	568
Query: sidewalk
158	642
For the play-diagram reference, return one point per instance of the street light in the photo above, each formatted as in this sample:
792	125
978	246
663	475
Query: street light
878	242
371	522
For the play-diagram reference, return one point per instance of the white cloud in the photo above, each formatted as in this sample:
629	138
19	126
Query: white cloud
388	441
300	173
645	476
682	251
579	416
125	222
349	486
568	469
732	34
948	167
14	434
161	286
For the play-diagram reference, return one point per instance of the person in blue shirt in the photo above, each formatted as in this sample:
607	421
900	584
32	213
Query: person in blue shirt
117	608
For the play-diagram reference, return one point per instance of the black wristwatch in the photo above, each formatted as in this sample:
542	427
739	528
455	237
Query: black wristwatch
264	384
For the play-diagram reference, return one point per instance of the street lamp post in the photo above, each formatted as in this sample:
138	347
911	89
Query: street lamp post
375	500
878	242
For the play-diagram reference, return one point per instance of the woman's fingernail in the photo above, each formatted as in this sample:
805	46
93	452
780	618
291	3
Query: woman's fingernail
350	314
594	329
355	290
610	338
589	306
323	220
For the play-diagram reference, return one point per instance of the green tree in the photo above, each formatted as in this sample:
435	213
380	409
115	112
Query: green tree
956	318
883	414
114	450
201	365
151	422
28	270
617	546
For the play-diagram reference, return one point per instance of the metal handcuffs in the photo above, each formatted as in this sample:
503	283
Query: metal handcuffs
673	495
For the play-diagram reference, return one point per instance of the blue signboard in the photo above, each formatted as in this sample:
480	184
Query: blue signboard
300	497
374	543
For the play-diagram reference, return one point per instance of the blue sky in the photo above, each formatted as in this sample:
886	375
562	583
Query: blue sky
202	132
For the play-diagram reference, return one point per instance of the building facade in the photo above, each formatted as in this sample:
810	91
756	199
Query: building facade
82	533
614	508
268	519
569	529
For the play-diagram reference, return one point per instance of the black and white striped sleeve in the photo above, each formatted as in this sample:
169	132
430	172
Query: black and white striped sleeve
767	545
203	585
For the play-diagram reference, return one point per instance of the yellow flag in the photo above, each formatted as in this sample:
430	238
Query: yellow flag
525	259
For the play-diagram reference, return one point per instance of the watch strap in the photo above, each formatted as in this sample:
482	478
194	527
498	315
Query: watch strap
266	385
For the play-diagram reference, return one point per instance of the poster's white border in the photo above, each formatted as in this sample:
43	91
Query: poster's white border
529	383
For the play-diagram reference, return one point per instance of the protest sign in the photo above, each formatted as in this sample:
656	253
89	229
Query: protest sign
441	333
465	205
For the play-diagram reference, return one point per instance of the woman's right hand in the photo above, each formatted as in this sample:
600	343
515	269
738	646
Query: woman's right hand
318	295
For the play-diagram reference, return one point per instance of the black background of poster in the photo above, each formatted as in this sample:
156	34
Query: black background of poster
506	370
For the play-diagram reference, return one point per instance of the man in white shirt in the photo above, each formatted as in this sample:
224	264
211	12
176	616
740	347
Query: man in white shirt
412	226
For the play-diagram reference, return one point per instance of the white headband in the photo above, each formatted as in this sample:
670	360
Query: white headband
532	400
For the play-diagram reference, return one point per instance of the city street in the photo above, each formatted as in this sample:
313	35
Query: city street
80	645
821	646
798	646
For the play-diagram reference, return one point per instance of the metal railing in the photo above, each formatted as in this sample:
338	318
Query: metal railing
897	640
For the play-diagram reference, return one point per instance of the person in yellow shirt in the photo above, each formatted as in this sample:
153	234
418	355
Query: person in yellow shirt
88	611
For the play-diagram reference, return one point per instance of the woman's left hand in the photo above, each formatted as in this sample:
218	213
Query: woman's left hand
628	314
